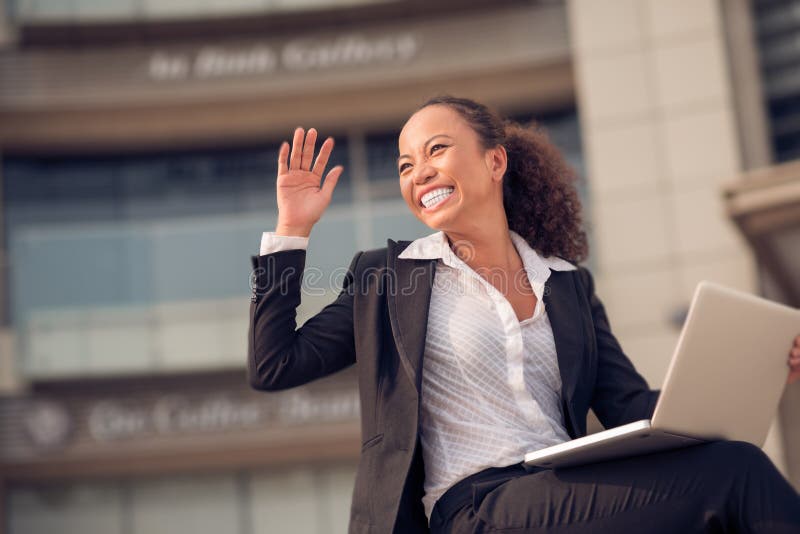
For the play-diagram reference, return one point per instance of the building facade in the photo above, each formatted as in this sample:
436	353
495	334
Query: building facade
138	143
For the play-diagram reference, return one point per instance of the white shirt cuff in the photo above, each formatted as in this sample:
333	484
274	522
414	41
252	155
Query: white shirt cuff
273	243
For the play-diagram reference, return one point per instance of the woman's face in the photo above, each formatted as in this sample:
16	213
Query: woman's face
447	178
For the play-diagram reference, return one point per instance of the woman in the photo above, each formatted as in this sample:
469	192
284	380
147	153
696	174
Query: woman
481	342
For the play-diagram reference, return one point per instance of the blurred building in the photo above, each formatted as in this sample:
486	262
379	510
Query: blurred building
139	145
138	142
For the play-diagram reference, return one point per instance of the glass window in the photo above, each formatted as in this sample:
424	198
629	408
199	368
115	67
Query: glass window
382	156
337	483
134	244
44	9
66	508
293	499
564	131
316	501
286	502
193	503
778	34
393	220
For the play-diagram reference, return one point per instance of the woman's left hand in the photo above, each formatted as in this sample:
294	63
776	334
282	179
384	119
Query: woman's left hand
794	362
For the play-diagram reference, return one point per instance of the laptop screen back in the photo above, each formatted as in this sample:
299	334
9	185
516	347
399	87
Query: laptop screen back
729	368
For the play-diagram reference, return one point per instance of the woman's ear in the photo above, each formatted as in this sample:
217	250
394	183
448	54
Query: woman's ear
497	162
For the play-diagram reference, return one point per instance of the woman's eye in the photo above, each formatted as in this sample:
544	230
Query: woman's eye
403	167
436	147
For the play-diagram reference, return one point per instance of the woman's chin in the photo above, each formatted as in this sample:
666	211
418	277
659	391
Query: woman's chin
439	220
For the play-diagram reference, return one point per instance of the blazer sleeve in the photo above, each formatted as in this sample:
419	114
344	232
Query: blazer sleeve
621	395
280	355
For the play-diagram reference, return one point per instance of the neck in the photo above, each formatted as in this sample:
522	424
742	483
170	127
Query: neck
487	246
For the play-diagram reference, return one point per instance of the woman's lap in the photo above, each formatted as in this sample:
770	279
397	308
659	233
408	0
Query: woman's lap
724	483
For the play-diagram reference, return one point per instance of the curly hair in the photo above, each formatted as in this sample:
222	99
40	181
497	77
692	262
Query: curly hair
539	195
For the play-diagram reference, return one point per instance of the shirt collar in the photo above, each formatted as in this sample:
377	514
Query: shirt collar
436	246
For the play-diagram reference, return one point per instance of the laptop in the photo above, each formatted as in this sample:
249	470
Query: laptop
725	381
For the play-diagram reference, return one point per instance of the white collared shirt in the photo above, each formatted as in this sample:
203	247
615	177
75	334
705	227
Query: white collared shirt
490	384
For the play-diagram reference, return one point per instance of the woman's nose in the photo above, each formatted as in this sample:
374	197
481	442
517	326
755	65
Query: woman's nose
423	173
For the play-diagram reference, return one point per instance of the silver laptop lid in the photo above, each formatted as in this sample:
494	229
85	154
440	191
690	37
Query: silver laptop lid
729	367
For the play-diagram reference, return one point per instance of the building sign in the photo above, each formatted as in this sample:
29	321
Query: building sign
301	55
47	424
354	57
109	420
149	416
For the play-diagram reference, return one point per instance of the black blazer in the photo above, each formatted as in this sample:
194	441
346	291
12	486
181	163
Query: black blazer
379	320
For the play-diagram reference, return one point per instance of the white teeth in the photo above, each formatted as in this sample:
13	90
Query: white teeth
431	198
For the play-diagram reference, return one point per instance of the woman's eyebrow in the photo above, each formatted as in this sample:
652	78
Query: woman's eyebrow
426	144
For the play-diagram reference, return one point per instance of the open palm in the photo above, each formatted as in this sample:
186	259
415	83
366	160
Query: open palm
301	198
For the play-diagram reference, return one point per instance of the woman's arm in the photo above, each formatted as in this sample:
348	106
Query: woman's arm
621	395
281	356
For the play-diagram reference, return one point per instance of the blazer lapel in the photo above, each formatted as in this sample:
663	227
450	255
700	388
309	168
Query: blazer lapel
409	297
562	308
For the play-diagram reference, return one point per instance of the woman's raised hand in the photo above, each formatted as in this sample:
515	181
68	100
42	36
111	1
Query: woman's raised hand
301	199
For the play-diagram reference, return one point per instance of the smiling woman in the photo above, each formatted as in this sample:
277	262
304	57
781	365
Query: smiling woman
450	141
503	355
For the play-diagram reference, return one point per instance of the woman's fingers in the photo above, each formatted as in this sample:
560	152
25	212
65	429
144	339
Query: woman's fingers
308	149
330	181
283	158
322	157
302	153
297	150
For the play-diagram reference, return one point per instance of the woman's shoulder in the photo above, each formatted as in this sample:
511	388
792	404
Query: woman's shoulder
370	258
559	263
